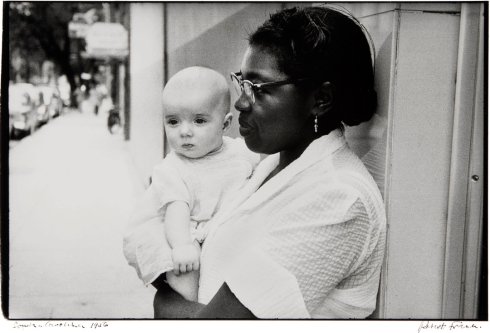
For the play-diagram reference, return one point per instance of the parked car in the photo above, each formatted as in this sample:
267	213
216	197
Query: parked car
51	100
22	108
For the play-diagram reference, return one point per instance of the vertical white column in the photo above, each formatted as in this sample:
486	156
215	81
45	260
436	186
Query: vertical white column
460	159
474	254
146	84
420	143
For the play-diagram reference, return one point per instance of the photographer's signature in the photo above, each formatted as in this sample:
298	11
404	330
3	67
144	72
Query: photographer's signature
447	326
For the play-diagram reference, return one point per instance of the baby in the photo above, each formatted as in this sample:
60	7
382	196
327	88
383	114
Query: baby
202	170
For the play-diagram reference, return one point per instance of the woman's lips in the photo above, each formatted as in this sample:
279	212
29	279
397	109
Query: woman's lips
244	129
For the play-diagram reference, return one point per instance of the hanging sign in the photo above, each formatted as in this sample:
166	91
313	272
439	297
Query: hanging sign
77	29
106	40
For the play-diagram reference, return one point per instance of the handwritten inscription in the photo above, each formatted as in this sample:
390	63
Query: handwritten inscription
99	325
59	324
447	326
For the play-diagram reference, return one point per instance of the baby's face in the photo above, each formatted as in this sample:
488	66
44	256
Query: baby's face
194	128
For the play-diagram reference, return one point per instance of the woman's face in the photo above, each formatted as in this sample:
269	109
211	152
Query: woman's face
280	116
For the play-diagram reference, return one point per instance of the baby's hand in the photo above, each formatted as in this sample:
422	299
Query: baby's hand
186	258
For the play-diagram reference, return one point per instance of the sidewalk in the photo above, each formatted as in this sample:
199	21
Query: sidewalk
72	187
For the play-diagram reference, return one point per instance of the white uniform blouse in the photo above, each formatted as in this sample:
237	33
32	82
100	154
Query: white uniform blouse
309	243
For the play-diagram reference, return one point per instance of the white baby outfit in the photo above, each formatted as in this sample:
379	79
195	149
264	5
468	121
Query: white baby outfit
204	184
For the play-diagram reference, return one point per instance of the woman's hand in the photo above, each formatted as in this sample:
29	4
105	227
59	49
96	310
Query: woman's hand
186	258
169	304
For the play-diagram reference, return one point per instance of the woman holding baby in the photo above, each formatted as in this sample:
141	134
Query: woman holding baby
305	236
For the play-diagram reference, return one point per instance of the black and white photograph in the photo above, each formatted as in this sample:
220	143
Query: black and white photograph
289	161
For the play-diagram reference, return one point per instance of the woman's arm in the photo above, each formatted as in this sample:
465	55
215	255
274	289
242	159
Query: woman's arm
169	304
225	305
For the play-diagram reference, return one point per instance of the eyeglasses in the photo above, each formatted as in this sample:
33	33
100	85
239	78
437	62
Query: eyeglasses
251	88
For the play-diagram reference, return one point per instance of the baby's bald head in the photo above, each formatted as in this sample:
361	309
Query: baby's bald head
196	103
198	87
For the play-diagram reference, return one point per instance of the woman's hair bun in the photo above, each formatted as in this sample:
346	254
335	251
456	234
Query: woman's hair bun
361	108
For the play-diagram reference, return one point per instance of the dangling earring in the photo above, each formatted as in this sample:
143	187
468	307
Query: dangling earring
316	123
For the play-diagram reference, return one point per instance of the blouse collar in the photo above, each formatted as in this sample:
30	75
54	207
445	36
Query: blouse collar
319	150
254	194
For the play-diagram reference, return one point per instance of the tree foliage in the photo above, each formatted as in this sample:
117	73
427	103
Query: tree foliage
38	31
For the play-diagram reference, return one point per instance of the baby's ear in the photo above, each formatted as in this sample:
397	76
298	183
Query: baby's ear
227	121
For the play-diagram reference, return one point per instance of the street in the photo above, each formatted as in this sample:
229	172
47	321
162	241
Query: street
71	187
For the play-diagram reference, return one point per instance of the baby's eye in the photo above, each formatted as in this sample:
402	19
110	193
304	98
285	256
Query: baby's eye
172	122
200	121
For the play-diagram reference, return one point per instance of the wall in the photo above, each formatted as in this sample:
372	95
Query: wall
146	85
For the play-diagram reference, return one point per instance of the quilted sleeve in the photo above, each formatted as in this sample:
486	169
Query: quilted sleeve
321	249
313	243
